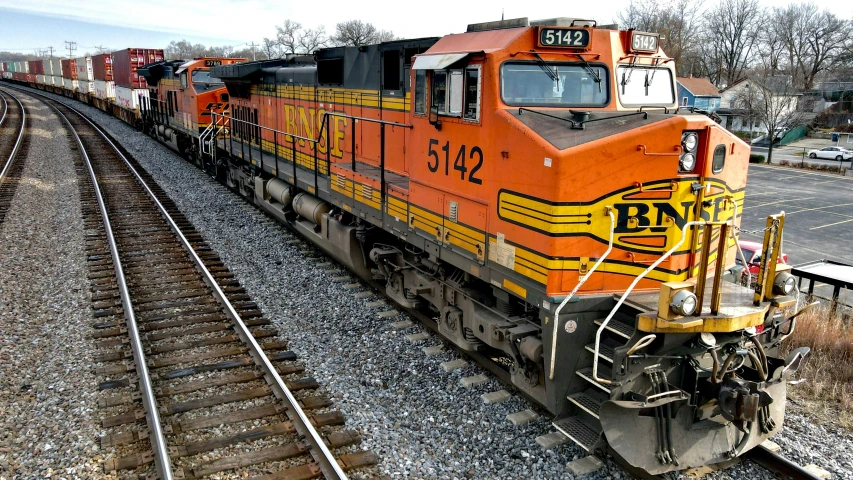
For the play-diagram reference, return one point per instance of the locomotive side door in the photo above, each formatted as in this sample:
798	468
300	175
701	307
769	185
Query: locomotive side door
449	151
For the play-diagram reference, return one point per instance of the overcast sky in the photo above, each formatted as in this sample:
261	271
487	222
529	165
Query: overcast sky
31	24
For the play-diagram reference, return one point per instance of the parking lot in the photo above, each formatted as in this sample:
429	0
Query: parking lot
818	209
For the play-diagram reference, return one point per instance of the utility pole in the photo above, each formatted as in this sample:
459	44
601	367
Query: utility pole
253	45
100	48
51	51
71	46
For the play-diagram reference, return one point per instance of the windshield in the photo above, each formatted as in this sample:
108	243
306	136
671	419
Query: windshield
202	81
645	86
553	84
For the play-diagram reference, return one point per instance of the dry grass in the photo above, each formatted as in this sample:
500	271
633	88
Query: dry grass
828	389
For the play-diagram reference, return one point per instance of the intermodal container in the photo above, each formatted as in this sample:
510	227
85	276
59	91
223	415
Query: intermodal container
125	63
129	98
46	67
70	84
102	66
69	69
57	81
84	69
105	89
36	67
41	79
2	66
56	66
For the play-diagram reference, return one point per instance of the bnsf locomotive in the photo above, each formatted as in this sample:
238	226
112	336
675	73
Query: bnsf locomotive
533	187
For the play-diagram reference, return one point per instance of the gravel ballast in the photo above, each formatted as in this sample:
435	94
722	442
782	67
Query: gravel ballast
48	394
416	416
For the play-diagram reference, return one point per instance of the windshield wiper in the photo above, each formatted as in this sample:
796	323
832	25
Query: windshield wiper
542	63
649	80
592	72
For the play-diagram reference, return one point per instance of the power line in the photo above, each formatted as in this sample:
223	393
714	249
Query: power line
71	46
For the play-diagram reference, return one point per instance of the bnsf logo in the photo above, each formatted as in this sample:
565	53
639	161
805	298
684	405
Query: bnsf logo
654	216
647	221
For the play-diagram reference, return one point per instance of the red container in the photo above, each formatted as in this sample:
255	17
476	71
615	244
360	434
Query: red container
36	67
69	69
102	66
125	63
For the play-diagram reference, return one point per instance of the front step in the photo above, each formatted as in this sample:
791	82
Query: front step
619	325
589	401
606	352
603	372
579	431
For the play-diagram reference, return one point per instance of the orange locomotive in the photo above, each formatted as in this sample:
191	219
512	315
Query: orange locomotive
183	96
534	189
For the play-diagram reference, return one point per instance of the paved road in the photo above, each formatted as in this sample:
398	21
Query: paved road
818	214
791	155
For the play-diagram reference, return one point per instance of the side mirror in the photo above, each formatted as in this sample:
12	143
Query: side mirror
433	117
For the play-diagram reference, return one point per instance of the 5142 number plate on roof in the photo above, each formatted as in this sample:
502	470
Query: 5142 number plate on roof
563	37
212	63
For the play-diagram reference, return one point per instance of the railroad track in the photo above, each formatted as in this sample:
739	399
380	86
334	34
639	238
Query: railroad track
760	455
13	121
180	344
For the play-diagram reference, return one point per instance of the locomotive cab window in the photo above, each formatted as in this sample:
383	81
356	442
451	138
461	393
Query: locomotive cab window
472	93
554	84
184	81
719	159
455	93
645	86
420	92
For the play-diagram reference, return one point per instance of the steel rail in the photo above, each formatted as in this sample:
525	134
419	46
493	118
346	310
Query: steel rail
159	448
20	135
779	464
319	451
5	107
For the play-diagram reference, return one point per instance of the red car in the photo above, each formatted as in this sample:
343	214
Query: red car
752	252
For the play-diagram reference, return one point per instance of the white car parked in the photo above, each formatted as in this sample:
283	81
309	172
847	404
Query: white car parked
832	153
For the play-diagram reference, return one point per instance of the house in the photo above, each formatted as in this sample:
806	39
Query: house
738	100
698	93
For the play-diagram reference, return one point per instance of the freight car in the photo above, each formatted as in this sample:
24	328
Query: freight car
534	188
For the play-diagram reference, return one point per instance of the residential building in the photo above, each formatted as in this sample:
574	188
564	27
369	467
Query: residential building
737	100
698	93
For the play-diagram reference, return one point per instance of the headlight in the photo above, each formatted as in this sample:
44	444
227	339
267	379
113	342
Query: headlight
784	283
683	303
687	162
689	141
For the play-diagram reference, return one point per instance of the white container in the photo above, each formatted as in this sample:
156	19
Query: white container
48	71
69	84
40	79
105	90
25	67
128	98
55	67
85	87
84	69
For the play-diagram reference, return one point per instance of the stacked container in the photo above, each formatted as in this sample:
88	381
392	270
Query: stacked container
85	76
102	67
56	69
48	72
69	74
130	86
36	71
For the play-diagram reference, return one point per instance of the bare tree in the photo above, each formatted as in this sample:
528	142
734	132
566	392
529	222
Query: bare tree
675	20
729	39
815	42
312	39
287	36
772	102
355	33
271	49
